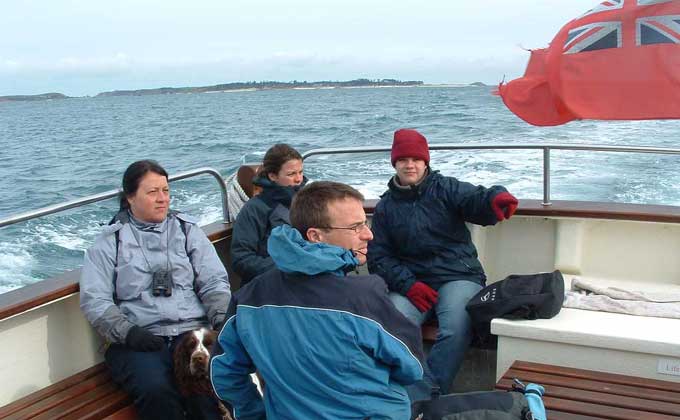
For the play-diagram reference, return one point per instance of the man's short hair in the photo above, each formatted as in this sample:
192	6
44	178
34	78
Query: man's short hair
310	206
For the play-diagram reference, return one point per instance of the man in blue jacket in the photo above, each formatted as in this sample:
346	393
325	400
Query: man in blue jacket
423	249
328	345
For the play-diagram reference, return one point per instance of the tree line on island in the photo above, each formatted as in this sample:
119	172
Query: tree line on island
235	86
266	85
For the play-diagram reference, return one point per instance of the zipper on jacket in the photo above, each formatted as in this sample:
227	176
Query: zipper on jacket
472	269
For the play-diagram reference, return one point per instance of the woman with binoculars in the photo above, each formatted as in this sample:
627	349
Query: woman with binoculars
151	276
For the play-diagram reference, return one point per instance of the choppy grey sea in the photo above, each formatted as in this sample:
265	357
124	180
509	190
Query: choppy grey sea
53	151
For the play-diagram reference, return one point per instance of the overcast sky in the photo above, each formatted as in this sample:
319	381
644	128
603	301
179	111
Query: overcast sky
82	47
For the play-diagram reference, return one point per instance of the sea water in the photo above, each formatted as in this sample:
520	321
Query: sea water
58	150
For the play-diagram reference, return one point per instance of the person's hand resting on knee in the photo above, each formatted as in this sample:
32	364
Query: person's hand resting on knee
139	339
422	296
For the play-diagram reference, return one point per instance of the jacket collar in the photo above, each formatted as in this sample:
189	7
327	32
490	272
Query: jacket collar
411	191
292	254
273	193
147	226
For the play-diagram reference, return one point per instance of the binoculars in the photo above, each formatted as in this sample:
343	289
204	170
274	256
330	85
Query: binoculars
161	283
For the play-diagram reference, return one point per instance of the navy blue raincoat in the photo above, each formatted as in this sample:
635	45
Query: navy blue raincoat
254	222
420	233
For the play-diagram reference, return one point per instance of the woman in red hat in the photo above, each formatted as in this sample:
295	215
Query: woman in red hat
424	251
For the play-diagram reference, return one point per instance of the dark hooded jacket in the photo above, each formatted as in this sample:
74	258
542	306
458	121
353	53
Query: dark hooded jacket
254	223
420	233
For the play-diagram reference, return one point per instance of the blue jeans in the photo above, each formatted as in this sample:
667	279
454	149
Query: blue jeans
148	378
453	338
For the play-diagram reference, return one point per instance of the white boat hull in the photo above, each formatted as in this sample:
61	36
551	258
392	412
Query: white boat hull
48	343
45	345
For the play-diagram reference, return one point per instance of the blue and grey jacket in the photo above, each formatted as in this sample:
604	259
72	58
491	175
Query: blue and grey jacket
419	232
255	221
328	346
115	285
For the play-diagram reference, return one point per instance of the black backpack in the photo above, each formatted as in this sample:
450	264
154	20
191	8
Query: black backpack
518	296
483	405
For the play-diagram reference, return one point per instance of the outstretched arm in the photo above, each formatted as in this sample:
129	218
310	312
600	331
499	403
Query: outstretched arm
473	203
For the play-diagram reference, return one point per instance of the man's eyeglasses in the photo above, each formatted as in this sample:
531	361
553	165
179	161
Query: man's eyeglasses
358	228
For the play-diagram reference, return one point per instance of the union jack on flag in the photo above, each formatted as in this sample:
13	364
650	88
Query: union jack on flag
594	36
618	61
608	5
658	30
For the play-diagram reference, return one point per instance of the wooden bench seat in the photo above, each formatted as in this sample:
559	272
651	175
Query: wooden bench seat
585	394
90	394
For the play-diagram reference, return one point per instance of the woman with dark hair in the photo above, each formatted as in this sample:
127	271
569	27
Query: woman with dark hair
151	276
280	177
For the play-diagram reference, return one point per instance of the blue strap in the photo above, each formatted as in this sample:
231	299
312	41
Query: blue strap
533	394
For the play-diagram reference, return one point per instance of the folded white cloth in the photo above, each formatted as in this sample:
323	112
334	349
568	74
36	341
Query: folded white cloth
586	294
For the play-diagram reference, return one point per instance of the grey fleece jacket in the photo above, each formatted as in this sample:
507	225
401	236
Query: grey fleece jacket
115	287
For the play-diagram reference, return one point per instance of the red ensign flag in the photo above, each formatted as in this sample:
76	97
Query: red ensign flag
619	61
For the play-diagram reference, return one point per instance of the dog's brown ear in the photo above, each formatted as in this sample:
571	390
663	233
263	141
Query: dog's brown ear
181	365
209	338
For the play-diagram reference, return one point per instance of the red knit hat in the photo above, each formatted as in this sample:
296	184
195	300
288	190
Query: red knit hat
410	143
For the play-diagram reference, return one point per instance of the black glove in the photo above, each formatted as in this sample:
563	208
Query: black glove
139	339
218	322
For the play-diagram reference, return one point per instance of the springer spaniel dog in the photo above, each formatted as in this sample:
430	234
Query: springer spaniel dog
192	362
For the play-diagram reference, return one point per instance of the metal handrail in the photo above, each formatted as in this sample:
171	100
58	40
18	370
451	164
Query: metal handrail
115	193
545	147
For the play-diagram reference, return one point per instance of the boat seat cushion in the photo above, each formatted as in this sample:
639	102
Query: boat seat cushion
245	175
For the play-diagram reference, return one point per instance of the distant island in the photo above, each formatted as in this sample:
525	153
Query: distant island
266	85
246	86
41	97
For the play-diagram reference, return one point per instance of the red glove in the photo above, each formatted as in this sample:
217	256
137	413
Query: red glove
422	296
504	205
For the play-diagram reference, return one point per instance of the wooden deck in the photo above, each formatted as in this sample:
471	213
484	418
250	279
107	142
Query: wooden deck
576	394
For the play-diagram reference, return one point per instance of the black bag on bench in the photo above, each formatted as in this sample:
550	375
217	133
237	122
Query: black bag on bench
483	405
519	296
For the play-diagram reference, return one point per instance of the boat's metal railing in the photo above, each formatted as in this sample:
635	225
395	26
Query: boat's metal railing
546	148
115	193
